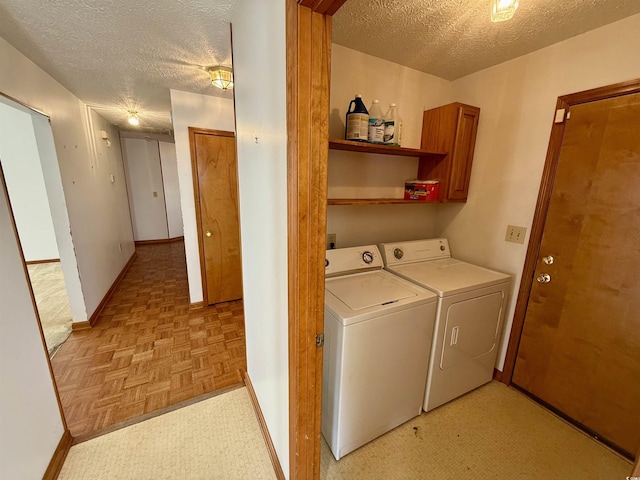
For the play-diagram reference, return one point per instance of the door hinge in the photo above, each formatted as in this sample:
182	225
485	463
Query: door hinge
560	115
320	340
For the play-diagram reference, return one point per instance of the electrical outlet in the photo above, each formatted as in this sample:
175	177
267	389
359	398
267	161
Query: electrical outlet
331	241
515	234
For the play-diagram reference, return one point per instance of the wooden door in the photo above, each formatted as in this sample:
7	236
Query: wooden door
580	346
215	177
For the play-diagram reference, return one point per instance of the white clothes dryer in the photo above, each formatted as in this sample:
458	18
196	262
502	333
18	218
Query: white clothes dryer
471	303
378	330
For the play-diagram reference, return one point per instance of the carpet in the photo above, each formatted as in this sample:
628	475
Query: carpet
52	301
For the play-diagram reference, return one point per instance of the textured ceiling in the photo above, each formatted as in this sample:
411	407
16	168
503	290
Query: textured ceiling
117	55
452	38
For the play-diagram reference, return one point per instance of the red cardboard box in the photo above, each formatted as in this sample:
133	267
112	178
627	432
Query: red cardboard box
421	190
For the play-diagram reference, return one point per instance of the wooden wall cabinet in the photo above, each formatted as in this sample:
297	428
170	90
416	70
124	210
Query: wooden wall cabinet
451	128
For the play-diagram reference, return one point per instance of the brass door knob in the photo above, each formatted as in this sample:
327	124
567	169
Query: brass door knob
208	234
544	278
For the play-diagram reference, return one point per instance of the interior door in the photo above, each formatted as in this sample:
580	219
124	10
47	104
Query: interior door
216	190
580	347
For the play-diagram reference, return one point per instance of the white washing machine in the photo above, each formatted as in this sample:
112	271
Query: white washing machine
471	303
378	330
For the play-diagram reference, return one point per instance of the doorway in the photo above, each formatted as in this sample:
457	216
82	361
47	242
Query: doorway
577	352
35	191
215	185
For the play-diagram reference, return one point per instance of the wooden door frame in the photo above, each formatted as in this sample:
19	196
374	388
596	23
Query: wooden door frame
542	207
308	41
193	131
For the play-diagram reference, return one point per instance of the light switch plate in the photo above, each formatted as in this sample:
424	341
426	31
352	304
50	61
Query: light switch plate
515	234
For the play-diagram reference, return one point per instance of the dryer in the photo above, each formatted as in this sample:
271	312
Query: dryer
378	330
471	304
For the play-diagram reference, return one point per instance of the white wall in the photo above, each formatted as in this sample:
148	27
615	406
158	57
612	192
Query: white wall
144	185
353	175
169	162
517	101
25	183
31	423
42	141
259	57
98	211
202	111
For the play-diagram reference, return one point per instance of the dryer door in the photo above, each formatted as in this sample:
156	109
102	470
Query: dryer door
471	329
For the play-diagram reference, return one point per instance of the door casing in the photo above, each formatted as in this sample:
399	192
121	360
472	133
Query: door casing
196	192
542	207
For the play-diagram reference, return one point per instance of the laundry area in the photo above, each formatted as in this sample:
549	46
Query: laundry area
438	266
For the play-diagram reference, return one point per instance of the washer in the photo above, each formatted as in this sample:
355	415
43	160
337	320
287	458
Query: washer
378	330
471	303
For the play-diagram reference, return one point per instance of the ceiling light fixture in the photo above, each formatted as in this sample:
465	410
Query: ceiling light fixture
221	77
502	10
133	118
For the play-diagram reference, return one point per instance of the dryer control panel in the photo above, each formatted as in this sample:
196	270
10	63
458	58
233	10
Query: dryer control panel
416	251
340	261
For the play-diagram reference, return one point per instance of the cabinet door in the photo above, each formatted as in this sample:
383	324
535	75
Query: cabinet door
462	155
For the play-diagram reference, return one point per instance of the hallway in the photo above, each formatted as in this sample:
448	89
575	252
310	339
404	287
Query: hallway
148	351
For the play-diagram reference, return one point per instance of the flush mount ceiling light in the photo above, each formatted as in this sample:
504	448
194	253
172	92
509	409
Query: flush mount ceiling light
133	118
221	77
502	10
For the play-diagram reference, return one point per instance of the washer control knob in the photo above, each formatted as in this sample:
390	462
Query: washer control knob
442	248
367	257
326	262
398	253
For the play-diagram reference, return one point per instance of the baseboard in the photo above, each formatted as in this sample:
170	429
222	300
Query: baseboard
156	242
59	456
263	427
94	317
196	305
75	326
37	262
497	375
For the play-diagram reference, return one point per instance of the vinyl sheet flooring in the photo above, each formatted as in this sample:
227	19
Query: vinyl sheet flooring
148	350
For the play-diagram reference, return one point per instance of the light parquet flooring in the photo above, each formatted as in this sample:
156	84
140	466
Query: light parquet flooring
147	350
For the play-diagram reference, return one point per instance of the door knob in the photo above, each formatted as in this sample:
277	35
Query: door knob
544	278
208	234
548	260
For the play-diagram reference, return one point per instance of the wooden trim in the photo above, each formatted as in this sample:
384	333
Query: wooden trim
59	456
196	305
277	468
308	78
196	194
76	326
323	7
542	206
94	317
38	262
497	375
159	241
33	298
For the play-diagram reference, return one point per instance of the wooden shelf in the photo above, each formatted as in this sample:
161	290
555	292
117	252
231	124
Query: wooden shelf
363	147
375	201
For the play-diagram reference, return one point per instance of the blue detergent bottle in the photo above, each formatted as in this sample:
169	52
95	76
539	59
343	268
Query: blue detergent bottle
357	123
